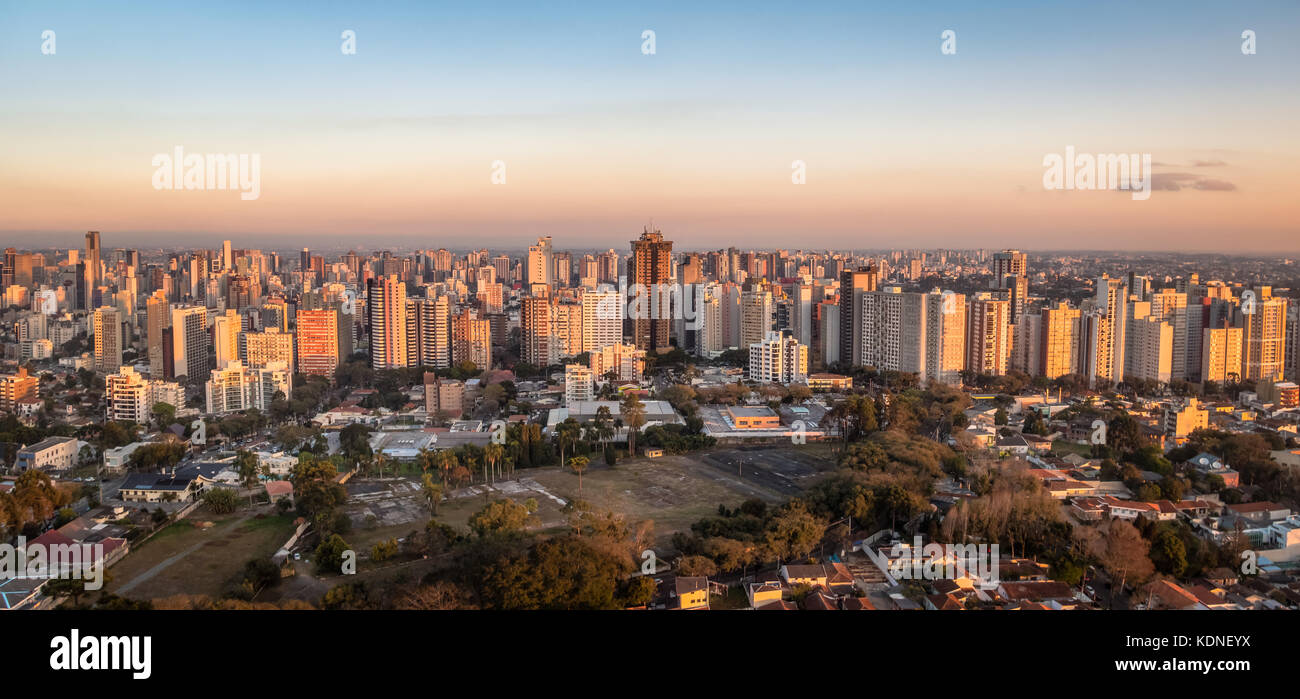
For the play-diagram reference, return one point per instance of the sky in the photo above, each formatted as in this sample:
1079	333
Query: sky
901	144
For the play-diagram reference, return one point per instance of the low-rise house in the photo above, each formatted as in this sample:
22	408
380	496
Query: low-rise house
52	453
1166	594
1037	591
1260	513
1208	464
279	490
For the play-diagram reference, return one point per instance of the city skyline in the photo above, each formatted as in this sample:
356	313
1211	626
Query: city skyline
900	141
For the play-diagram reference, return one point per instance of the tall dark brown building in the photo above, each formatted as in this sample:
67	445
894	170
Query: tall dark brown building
650	267
853	283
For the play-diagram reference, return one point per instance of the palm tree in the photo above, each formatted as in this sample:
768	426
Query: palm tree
446	461
579	464
633	414
432	492
492	453
566	434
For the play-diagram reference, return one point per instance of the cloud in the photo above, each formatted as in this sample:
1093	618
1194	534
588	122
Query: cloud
1208	163
1177	181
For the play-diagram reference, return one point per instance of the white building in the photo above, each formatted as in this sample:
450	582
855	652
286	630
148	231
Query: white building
578	385
778	359
131	397
236	388
625	361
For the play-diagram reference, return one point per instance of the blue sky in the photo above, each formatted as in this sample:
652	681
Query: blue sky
605	136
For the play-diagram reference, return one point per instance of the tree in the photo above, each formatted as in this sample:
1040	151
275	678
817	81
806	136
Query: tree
632	411
354	441
567	434
432	492
694	566
793	532
579	464
639	591
503	517
329	555
221	500
568	572
164	414
1123	552
492	455
246	466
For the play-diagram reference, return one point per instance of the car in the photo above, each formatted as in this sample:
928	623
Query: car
297	556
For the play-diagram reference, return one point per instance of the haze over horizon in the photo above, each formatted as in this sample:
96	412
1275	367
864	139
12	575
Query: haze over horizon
904	146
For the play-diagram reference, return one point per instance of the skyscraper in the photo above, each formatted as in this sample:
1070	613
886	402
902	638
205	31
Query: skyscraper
988	343
1263	336
317	336
471	340
429	332
853	284
93	272
602	319
1010	273
648	272
189	342
536	344
157	319
540	269
1060	341
1221	355
386	308
108	339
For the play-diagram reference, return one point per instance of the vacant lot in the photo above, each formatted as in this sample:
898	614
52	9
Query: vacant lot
189	558
674	491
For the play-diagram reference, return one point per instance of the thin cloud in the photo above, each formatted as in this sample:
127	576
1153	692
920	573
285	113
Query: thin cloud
1178	181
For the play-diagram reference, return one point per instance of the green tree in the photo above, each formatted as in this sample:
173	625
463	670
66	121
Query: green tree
503	517
579	464
164	414
632	412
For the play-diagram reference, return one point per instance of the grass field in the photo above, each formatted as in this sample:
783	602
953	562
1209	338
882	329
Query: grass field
673	491
191	559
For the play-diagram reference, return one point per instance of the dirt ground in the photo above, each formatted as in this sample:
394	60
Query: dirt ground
192	559
673	491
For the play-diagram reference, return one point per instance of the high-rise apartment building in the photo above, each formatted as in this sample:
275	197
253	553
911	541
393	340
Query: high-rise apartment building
1059	346
428	330
225	337
625	362
93	275
602	319
189	333
386	307
989	338
1011	273
853	284
1263	338
130	397
541	267
317	337
649	270
236	388
107	329
259	349
1221	355
755	315
778	359
471	339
